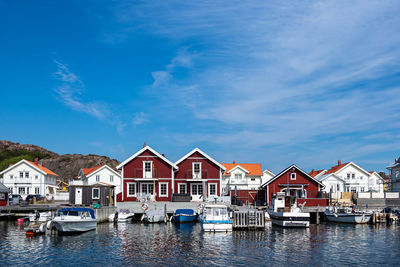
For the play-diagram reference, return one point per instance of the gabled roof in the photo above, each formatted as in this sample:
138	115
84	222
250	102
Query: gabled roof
339	166
325	176
204	154
249	168
38	167
377	174
4	189
285	170
141	151
269	172
315	173
93	170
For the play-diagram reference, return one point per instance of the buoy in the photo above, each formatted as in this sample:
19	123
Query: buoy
145	207
48	225
30	233
42	228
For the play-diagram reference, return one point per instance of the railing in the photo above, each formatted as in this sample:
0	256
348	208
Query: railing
138	172
202	175
248	219
311	202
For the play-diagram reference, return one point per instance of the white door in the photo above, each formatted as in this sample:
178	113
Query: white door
196	191
148	169
78	196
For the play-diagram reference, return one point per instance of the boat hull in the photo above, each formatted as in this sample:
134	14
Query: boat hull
72	226
290	219
348	218
217	226
183	218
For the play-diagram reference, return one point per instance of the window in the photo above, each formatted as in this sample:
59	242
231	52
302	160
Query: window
182	189
36	177
27	190
2	196
361	177
96	193
37	190
163	189
337	187
26	174
353	176
147	189
362	189
212	189
253	179
21	174
97	178
293	176
11	190
197	170
11	176
131	189
348	176
353	189
21	190
238	176
111	178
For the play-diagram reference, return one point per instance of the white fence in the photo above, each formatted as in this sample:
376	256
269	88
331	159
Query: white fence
62	196
378	195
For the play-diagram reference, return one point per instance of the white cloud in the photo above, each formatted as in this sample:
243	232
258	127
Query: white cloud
140	118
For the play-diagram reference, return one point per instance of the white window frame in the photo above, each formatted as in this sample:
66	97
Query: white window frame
216	189
21	175
159	190
36	176
238	176
111	178
147	188
97	178
293	176
144	169
21	189
95	188
28	190
193	173
179	188
11	176
27	175
127	190
37	190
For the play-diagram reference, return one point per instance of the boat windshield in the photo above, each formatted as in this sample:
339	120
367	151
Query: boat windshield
215	211
68	212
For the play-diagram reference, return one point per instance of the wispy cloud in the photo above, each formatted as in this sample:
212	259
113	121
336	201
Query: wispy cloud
140	118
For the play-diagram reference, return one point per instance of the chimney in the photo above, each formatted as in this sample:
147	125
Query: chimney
234	162
163	155
144	144
36	161
312	170
339	162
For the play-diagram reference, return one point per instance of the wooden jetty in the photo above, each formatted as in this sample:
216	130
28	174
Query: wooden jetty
248	220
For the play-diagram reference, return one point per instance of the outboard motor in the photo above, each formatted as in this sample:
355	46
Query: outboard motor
37	216
116	217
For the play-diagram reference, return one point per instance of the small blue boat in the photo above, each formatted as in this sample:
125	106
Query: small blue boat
184	216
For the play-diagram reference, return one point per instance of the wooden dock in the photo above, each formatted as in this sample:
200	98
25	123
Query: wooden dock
248	220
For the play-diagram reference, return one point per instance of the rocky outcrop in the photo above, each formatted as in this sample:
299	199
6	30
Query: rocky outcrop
11	146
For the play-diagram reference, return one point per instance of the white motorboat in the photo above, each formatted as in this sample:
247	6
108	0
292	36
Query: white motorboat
342	215
285	212
70	220
124	215
215	218
155	216
40	216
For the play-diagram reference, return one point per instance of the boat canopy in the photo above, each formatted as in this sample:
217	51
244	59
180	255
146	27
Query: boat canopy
184	211
91	212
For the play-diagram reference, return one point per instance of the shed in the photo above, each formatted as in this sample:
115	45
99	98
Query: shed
4	191
87	195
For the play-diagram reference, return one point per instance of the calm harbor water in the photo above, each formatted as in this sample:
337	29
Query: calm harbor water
159	244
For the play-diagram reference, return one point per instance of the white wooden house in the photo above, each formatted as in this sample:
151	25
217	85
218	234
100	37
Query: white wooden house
26	177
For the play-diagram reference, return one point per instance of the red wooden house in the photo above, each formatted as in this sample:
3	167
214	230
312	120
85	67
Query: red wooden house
294	181
147	174
198	175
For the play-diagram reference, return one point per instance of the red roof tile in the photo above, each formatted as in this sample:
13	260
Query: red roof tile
336	168
253	168
87	171
314	173
42	168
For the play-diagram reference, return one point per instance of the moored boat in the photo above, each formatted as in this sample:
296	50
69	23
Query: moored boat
71	220
285	212
347	216
184	216
124	215
215	218
40	216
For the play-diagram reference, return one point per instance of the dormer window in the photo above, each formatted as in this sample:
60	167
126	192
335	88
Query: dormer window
293	176
148	169
197	170
238	176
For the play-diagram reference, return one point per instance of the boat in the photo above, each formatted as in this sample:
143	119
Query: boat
184	216
347	215
124	215
215	218
71	220
285	212
155	216
40	216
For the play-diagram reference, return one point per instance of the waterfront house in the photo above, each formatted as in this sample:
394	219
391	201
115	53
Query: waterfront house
376	183
26	177
267	175
395	175
243	181
89	194
296	182
198	175
4	191
147	175
99	174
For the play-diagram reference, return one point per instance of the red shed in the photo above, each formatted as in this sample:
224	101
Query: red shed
198	175
145	173
296	182
4	191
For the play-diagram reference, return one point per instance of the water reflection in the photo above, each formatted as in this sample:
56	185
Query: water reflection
169	244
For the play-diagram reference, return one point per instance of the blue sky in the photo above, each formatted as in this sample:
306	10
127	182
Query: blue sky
276	83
